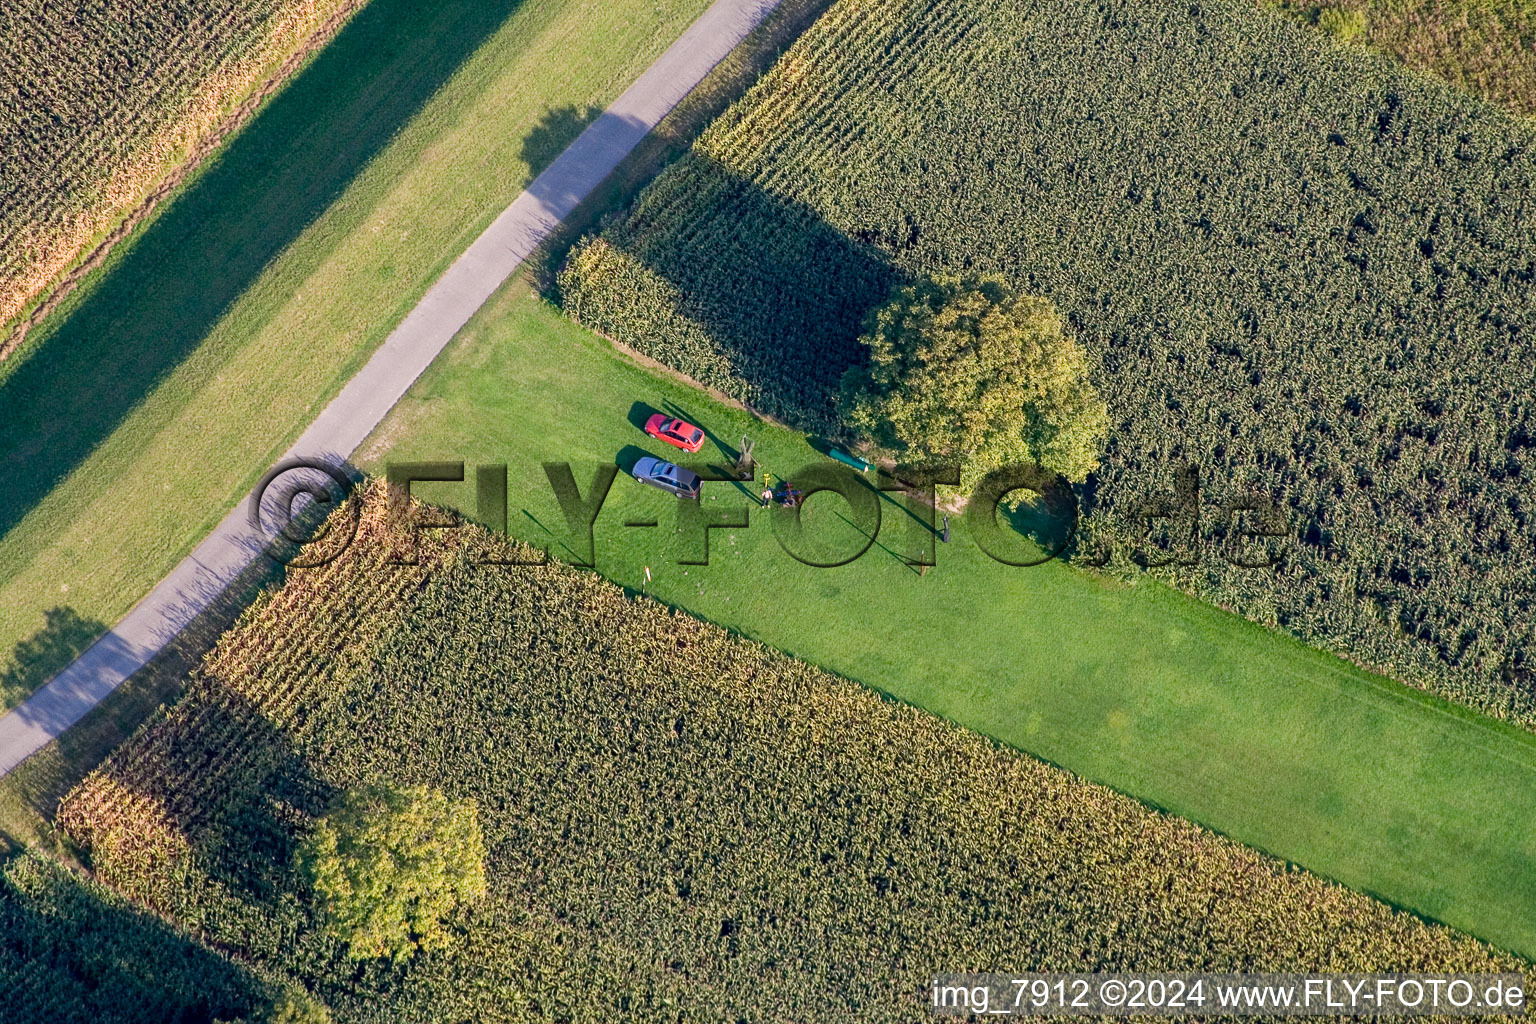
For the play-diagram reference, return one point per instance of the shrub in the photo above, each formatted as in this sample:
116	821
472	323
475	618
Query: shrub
389	864
293	1005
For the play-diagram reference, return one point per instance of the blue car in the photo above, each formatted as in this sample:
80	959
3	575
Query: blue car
668	476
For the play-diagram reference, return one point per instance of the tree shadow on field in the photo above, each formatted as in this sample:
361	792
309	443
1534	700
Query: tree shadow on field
109	346
1046	520
65	633
557	129
44	779
230	781
779	294
249	842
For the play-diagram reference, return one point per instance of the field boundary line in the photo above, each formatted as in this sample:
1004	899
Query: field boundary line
197	581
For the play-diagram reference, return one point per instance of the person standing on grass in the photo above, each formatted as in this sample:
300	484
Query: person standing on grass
767	497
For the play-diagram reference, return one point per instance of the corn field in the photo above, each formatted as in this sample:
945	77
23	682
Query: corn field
72	952
681	824
101	100
1303	272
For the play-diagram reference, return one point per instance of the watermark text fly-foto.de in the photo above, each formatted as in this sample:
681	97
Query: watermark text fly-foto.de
1171	523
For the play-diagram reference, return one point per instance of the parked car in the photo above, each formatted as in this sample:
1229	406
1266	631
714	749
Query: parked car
675	432
668	476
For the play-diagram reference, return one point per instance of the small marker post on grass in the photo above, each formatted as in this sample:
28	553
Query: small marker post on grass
647	581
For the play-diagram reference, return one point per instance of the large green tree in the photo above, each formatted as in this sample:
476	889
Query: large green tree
968	371
389	864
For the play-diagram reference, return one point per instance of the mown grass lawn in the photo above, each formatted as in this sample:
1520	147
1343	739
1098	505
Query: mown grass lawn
141	412
1173	701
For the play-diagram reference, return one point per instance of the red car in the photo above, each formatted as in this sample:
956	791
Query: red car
675	432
